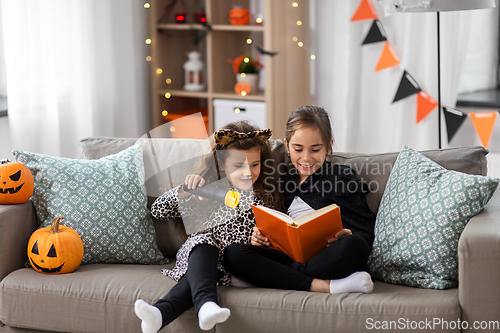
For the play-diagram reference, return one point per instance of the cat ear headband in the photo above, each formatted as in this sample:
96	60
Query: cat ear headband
224	137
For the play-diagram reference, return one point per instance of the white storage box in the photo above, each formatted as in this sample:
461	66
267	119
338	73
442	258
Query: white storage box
229	110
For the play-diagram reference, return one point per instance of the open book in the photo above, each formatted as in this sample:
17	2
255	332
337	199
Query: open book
300	239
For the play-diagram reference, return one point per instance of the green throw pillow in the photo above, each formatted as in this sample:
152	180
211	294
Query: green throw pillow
423	211
103	200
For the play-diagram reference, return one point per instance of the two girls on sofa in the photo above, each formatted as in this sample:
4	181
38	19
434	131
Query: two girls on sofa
337	269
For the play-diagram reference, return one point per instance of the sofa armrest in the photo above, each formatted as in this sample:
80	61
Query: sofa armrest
17	223
479	265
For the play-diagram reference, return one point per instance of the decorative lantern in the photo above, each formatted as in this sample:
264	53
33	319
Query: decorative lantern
193	72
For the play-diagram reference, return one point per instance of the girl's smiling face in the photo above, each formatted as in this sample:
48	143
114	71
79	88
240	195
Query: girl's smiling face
242	167
307	151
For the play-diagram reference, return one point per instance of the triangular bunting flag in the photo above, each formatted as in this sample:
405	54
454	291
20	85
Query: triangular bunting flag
365	11
484	122
376	33
425	105
454	119
407	87
389	58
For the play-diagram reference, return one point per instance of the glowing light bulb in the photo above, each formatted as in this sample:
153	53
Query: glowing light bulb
313	57
159	71
147	5
246	60
148	58
300	44
258	20
299	22
243	93
249	41
172	129
295	39
148	41
295	4
168	80
237	110
164	113
168	95
243	74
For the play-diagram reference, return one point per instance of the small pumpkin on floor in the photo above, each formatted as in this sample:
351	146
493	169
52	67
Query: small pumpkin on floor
16	183
56	249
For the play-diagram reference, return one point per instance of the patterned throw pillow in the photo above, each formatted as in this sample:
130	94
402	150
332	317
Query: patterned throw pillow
103	200
423	211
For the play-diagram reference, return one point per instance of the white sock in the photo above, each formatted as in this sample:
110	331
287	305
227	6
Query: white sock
357	282
150	316
210	314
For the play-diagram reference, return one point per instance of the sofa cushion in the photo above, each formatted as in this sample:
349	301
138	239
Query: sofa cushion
100	298
423	211
103	200
374	169
94	298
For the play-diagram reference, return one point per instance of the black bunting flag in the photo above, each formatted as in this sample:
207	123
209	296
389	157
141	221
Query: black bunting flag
454	119
407	87
376	33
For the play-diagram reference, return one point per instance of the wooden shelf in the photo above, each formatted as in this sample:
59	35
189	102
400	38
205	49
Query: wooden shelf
184	93
285	89
180	26
229	27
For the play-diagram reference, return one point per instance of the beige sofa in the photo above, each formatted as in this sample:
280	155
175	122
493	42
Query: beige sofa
100	297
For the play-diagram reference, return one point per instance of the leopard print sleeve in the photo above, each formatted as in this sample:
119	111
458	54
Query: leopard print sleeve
166	206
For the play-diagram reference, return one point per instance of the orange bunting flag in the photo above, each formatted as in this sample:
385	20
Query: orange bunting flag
365	11
389	58
484	122
425	105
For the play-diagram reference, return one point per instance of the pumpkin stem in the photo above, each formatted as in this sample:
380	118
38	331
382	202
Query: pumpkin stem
54	229
4	161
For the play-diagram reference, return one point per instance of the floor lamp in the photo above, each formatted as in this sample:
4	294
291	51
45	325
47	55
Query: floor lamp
414	6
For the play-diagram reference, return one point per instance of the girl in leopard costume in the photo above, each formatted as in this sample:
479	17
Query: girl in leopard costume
242	154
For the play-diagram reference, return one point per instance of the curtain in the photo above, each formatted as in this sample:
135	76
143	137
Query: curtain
364	118
74	69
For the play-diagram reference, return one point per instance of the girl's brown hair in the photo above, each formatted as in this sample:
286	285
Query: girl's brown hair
265	184
312	116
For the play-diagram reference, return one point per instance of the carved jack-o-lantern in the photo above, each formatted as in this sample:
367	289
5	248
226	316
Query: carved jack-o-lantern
56	249
16	183
239	16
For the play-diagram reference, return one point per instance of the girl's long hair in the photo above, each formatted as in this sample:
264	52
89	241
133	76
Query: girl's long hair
265	186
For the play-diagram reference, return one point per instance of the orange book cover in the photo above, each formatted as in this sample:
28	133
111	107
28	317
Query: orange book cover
300	239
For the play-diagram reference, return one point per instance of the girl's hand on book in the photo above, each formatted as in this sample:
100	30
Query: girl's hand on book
339	234
192	182
258	239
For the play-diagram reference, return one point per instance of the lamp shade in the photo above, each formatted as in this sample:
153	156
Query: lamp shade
436	5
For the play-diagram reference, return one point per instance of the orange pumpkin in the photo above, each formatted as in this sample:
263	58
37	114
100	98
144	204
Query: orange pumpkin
16	183
239	16
56	249
242	88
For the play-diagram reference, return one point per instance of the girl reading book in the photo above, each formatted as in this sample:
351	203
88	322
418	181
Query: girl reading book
240	152
313	183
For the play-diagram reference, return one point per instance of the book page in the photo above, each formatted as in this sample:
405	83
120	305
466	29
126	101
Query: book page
310	216
277	214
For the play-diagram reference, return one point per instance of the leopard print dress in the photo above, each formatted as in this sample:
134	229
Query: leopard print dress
223	226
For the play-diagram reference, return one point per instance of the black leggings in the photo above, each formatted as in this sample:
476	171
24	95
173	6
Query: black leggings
269	268
197	286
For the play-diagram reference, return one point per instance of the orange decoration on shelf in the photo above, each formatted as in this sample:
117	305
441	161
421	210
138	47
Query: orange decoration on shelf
242	88
239	16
